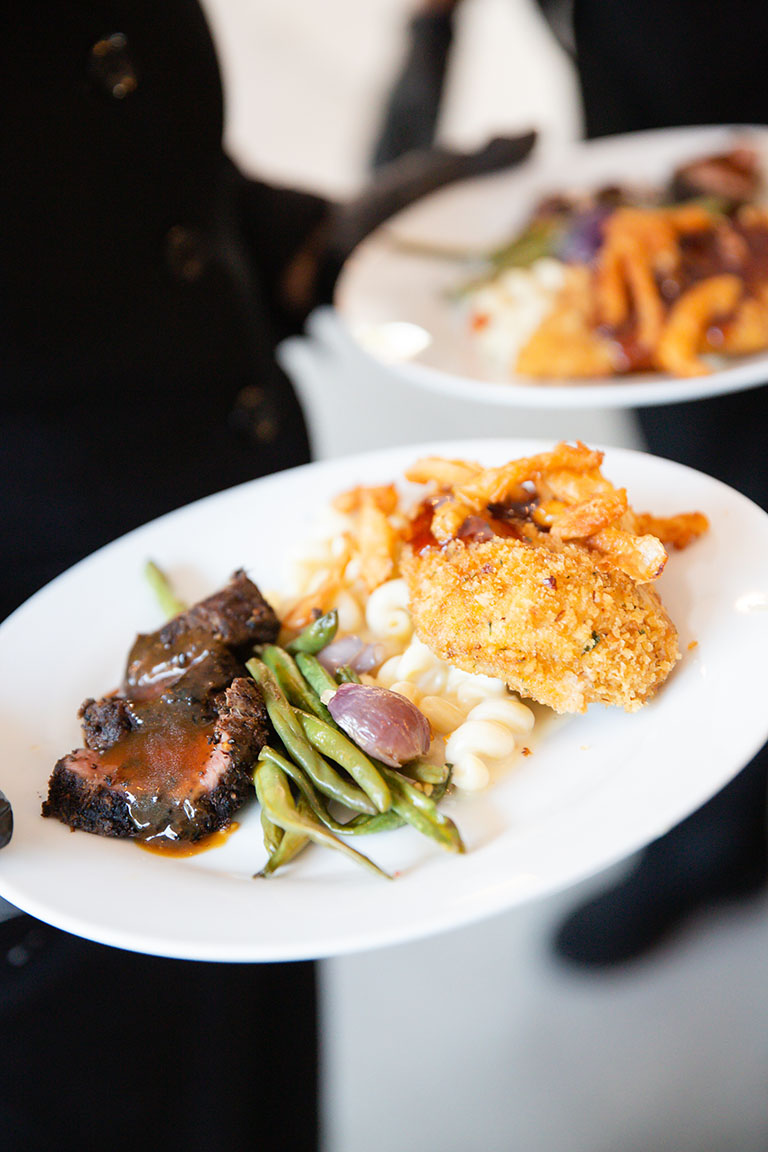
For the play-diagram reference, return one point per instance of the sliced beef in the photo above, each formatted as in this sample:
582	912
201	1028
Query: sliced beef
217	633
170	754
105	721
193	662
170	773
238	616
81	794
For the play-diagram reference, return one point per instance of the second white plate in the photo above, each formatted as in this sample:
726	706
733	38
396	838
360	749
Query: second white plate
397	302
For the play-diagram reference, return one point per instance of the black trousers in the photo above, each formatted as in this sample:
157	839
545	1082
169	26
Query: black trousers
105	1049
724	437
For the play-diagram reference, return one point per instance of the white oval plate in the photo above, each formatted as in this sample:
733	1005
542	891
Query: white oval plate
595	788
396	302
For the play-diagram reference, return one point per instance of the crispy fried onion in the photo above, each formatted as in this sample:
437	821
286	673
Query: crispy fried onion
574	502
717	314
369	545
641	244
689	320
564	490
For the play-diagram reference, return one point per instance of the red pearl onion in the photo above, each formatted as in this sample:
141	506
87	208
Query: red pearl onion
382	723
353	651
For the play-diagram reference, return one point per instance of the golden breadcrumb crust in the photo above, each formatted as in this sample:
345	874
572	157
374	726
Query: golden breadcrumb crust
551	619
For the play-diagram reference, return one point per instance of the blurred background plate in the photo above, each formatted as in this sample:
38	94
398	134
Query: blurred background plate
396	299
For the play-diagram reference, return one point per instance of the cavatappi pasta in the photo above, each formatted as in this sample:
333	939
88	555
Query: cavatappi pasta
478	725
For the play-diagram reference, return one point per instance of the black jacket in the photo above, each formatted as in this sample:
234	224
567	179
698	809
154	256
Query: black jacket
139	282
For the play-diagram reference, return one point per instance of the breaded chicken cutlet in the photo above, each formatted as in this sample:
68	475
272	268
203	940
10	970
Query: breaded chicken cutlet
540	616
539	573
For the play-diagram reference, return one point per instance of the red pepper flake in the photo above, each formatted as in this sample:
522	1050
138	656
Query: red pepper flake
479	321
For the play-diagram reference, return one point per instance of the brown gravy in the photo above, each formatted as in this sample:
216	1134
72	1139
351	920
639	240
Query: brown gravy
162	754
163	846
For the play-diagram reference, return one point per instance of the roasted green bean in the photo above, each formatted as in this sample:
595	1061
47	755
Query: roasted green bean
421	811
307	789
428	772
298	691
363	825
272	834
169	602
315	674
292	689
274	794
316	635
291	844
333	743
406	801
290	731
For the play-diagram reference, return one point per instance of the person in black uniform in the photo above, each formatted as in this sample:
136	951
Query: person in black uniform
654	65
144	283
645	65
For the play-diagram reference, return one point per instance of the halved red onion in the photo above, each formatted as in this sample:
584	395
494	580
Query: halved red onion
352	651
382	723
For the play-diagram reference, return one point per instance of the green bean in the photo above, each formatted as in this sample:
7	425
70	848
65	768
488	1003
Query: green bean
402	812
169	602
424	771
427	772
316	635
306	789
290	679
290	846
363	825
274	794
347	675
271	832
439	790
334	744
315	674
290	731
420	811
288	849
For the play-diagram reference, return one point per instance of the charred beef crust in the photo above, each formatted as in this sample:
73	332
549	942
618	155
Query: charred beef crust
243	719
105	721
170	756
238	616
243	727
76	801
95	803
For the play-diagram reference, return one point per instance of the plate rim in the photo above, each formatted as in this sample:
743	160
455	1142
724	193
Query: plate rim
194	947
